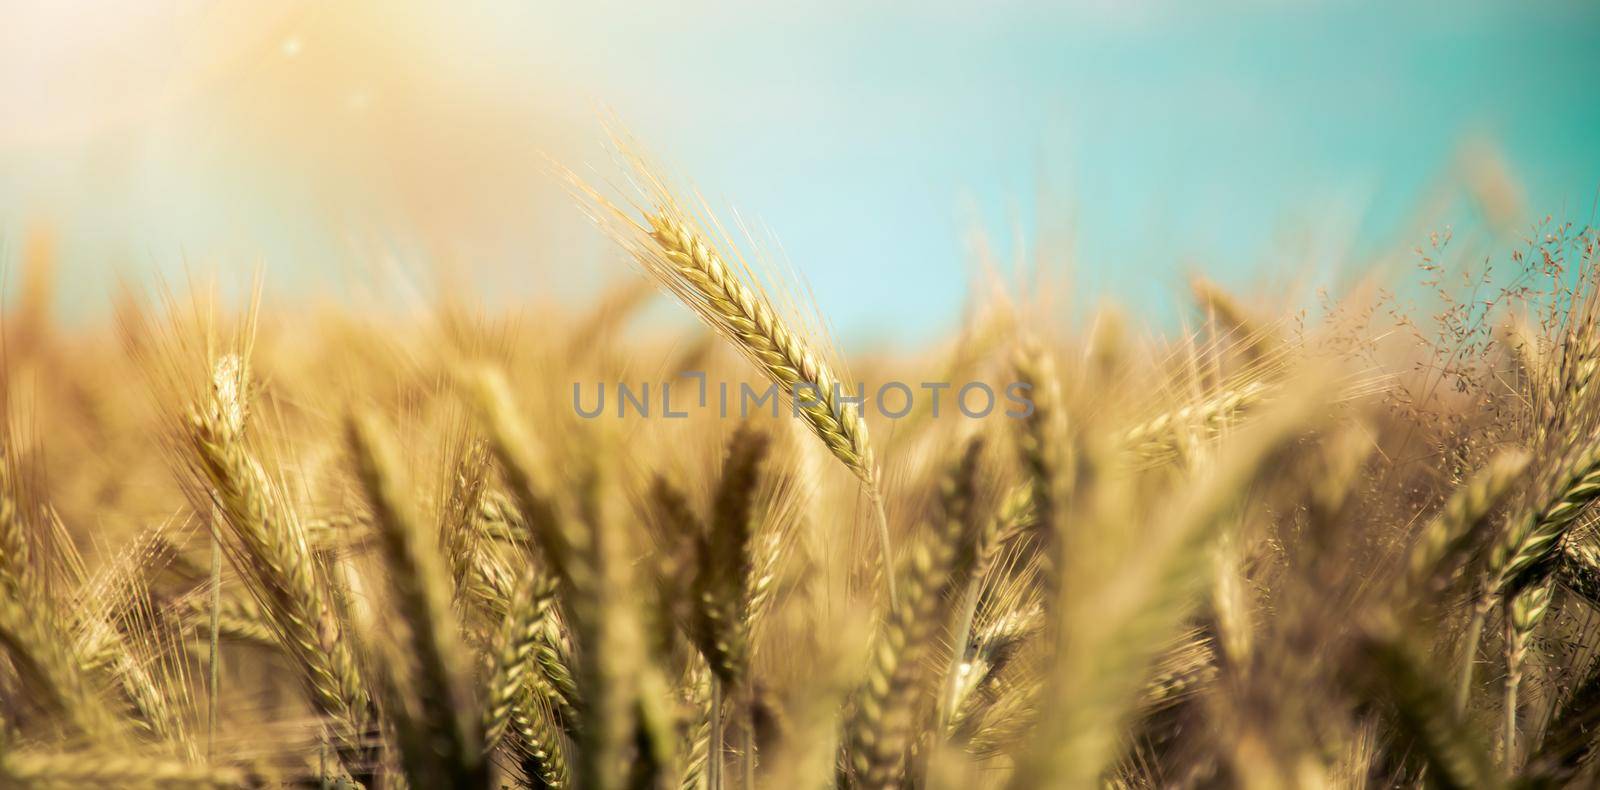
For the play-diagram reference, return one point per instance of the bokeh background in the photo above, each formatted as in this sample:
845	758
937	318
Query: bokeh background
887	146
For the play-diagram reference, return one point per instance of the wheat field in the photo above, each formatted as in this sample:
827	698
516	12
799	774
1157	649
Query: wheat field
248	544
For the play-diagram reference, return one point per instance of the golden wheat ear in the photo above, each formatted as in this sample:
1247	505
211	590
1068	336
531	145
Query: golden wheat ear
267	545
669	243
107	769
514	664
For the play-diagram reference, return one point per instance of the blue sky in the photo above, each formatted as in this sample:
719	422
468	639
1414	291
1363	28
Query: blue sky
1168	141
872	139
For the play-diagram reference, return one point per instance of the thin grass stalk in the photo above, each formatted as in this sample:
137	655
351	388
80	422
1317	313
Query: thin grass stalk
748	736
1569	743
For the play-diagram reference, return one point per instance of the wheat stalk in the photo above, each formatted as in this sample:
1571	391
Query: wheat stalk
567	550
721	587
1133	613
561	545
1257	342
459	535
1016	513
100	769
1521	558
16	549
1525	609
882	729
440	740
233	617
701	699
1579	570
607	676
980	683
1456	753
1045	452
41	659
693	270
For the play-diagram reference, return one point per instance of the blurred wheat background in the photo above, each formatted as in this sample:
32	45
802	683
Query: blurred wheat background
302	304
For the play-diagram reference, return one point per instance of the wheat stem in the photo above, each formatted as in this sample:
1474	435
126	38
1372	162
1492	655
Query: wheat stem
214	641
99	769
881	732
440	741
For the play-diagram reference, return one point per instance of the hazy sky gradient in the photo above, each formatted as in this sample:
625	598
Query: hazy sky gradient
1140	141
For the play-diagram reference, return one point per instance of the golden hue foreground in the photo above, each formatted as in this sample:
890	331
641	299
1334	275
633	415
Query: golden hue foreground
275	548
